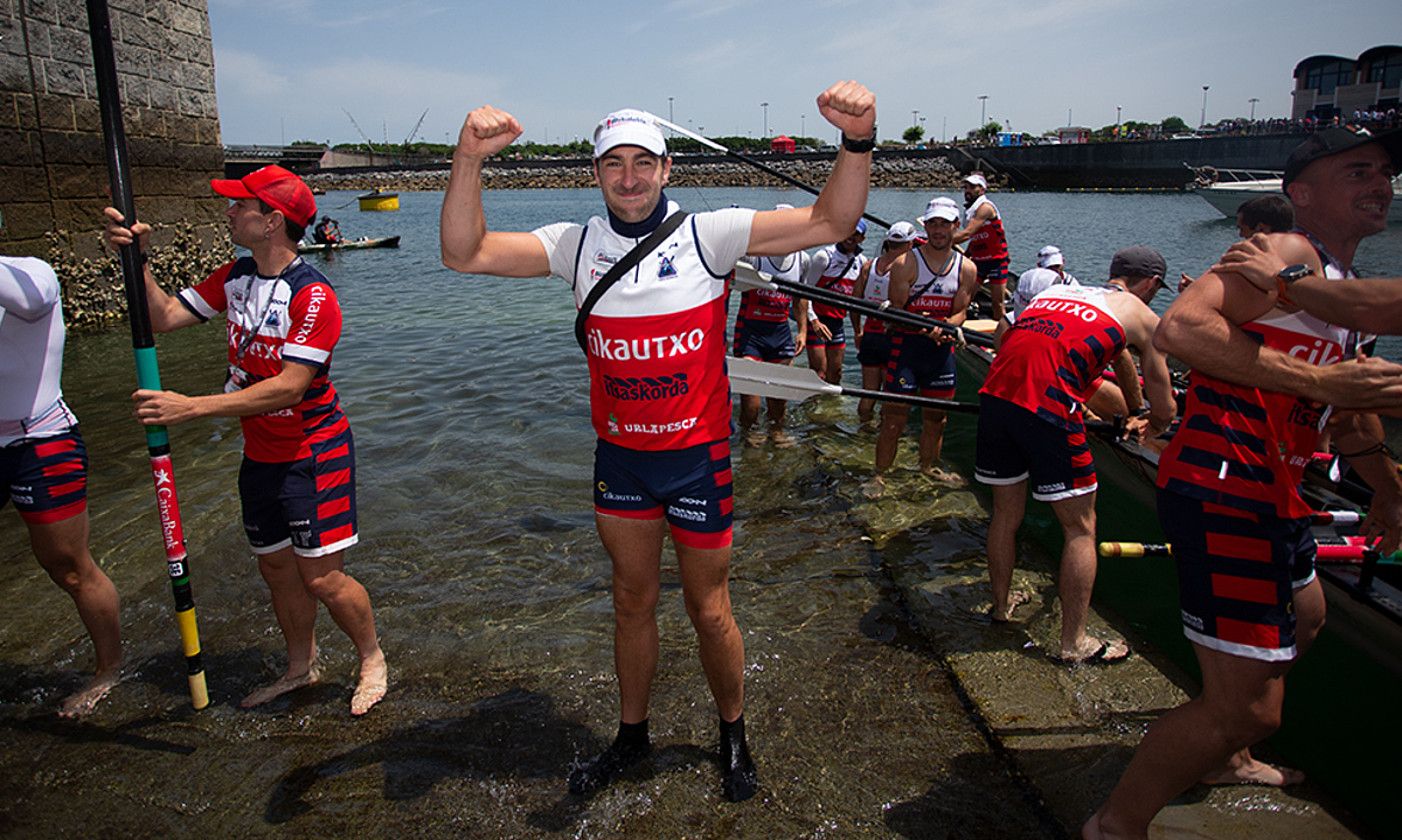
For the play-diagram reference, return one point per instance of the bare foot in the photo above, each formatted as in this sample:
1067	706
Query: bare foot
874	488
85	699
946	477
1015	599
287	682
781	439
1097	652
754	437
374	682
1254	772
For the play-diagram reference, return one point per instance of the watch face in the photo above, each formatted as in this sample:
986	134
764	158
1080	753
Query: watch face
1294	272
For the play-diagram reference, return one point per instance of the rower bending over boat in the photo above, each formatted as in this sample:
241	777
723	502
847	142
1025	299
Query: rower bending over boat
1229	497
658	389
1030	426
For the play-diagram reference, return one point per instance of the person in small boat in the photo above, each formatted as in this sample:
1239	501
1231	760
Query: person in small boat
662	460
1263	379
874	339
297	479
1030	428
987	240
1050	271
834	268
936	281
327	231
44	464
762	333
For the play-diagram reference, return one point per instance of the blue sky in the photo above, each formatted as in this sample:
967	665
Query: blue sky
285	69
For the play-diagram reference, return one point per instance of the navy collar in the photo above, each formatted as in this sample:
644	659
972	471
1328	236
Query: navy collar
637	230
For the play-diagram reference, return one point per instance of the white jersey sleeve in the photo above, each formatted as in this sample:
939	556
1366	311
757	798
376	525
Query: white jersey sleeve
561	241
817	264
723	236
28	287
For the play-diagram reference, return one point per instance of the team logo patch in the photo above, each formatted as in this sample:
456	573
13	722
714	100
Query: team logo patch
273	319
613	425
665	268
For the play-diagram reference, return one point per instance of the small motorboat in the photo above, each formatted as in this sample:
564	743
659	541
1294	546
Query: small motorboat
1226	189
377	200
348	245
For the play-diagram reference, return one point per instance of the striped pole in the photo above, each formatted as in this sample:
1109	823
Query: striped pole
144	347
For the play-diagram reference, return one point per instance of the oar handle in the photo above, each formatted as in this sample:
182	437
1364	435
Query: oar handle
1134	549
913	399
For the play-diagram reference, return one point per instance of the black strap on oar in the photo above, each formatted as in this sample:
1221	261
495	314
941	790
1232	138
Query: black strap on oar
144	348
620	268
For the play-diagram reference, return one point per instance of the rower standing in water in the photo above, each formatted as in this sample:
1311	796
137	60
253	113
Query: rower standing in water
44	464
988	242
297	479
762	333
834	268
936	281
873	286
662	461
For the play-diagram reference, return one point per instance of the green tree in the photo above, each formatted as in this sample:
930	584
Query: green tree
1173	125
914	134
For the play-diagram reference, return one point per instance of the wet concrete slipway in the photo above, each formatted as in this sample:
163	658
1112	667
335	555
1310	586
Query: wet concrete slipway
880	701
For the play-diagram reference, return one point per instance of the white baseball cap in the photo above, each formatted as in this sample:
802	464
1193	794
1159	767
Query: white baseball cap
629	127
940	207
901	232
1049	256
977	179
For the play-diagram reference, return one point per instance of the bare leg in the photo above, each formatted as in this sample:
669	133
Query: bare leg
635	547
1009	505
349	605
998	292
295	609
62	550
1239	705
818	360
832	370
705	577
1077	578
872	378
932	445
893	420
749	415
776	409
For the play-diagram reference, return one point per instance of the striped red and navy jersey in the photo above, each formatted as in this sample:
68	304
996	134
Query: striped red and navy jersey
839	276
1245	447
771	305
990	241
294	317
1052	358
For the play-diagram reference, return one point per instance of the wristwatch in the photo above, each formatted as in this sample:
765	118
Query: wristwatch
1287	276
859	146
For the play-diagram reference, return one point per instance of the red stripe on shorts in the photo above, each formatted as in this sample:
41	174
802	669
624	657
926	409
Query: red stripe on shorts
723	478
650	513
63	468
339	452
1223	510
1243	589
58	514
326	510
1247	633
727	505
54	447
696	539
335	535
332	479
720	450
75	486
1241	548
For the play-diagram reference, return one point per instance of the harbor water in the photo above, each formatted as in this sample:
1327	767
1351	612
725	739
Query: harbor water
469	405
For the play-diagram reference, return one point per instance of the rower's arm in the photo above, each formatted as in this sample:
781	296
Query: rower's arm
981	215
466	244
1359	438
902	276
964	295
1127	377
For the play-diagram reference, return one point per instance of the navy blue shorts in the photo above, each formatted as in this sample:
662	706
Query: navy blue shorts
691	487
47	478
307	504
875	349
1237	575
839	333
992	271
768	341
1016	445
920	365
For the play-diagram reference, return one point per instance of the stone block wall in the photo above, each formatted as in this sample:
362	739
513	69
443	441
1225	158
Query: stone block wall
53	172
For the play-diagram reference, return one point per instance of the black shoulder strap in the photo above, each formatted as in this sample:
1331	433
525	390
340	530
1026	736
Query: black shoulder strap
630	259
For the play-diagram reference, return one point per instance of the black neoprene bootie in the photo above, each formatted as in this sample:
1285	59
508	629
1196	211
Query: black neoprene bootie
739	778
631	746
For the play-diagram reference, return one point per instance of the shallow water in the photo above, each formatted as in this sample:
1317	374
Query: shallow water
491	592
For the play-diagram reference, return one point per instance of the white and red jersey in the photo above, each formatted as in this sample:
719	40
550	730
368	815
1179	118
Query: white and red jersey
932	293
772	305
31	352
293	317
837	272
1245	447
877	291
656	339
1051	360
990	241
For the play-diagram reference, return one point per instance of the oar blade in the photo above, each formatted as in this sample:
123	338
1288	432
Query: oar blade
780	382
748	277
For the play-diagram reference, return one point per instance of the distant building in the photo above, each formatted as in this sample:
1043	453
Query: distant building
1073	134
1327	86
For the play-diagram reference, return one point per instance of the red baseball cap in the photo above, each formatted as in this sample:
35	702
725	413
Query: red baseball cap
276	187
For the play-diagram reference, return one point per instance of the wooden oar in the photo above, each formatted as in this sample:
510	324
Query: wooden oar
748	277
783	382
763	167
1350	550
144	347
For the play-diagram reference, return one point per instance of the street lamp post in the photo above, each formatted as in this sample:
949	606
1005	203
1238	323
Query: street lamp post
914	117
983	110
801	130
1117	121
1202	121
765	106
670	117
1253	100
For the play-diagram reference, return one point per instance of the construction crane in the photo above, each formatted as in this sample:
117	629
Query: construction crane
414	132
